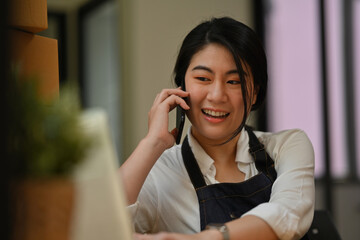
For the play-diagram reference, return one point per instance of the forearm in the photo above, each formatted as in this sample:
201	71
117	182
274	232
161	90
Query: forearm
250	227
137	167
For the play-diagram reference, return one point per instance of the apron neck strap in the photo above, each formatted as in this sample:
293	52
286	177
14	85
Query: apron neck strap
191	165
263	161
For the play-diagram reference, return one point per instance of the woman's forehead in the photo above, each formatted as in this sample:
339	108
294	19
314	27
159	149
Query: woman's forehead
212	56
214	53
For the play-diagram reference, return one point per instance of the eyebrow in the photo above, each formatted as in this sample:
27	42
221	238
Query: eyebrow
200	67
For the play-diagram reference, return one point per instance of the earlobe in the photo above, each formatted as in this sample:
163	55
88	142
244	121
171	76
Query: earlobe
254	95
254	98
252	101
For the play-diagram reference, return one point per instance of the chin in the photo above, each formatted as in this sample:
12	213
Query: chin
217	137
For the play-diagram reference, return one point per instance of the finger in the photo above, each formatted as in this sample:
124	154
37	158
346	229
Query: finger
170	92
173	101
157	96
165	93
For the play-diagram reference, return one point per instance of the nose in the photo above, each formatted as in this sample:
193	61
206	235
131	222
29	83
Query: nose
217	92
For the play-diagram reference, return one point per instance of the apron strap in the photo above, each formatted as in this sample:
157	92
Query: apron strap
191	165
263	161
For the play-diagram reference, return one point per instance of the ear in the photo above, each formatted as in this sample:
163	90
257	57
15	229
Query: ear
254	95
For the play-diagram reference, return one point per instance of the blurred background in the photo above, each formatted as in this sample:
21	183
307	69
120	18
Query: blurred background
122	53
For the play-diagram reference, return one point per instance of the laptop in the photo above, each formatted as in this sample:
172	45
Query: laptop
100	206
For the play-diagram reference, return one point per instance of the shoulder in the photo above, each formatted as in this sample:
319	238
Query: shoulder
287	142
167	173
283	138
170	162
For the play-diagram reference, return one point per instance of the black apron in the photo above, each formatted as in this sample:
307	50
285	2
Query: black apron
223	202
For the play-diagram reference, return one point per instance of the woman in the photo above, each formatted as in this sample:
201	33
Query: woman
251	185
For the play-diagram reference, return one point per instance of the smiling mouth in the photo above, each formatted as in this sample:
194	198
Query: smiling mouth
214	114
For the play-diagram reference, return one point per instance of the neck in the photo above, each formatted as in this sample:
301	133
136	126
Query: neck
222	154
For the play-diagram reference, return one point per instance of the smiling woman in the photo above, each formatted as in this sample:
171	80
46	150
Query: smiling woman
250	184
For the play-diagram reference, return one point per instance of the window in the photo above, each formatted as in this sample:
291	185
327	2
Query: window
296	90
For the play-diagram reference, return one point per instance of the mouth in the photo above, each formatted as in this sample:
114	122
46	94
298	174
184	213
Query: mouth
215	114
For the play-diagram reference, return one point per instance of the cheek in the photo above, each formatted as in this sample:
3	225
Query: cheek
238	103
193	100
197	93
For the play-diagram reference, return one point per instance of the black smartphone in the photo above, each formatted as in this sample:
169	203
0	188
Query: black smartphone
180	117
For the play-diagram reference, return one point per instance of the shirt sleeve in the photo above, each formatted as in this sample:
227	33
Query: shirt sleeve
145	210
290	209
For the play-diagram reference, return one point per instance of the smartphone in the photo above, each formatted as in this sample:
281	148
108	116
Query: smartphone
180	117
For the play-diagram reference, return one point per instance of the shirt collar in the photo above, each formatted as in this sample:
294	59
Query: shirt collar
206	163
242	150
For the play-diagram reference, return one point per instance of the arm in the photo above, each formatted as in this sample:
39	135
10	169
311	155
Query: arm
250	227
290	209
246	228
136	168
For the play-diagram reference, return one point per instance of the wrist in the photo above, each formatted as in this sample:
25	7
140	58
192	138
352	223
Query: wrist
214	234
155	144
160	140
221	229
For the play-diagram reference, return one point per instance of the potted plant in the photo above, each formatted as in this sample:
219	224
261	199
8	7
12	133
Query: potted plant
45	143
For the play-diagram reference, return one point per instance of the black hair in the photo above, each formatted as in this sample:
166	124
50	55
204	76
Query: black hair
243	44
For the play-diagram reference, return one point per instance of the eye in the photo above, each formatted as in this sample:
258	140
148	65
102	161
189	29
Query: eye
233	82
203	79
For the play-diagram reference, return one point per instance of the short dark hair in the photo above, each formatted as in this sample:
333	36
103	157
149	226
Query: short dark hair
243	44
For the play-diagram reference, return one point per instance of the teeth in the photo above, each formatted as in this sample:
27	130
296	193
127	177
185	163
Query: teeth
215	114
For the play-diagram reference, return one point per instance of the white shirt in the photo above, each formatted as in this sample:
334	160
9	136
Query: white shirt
168	201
